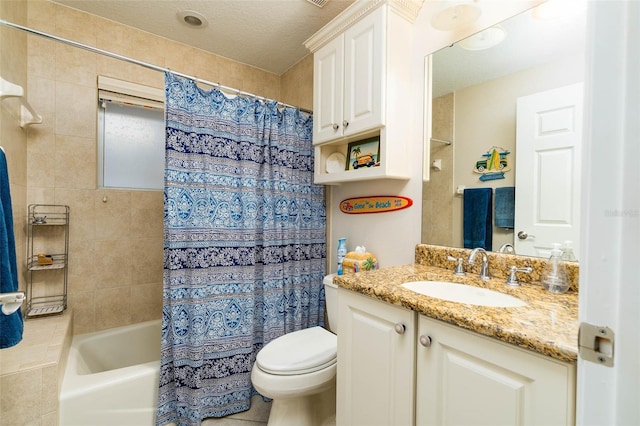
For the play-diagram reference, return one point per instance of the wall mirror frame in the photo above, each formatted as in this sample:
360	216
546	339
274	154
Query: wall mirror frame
542	53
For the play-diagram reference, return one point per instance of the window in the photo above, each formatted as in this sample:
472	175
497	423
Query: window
131	135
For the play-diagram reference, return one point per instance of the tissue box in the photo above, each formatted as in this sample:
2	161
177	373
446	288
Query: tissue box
357	262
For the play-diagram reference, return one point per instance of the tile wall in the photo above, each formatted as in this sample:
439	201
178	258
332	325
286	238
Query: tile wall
115	259
438	193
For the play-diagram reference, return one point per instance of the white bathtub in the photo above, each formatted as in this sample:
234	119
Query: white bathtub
112	377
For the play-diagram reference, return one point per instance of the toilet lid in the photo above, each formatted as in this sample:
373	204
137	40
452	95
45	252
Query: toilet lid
299	352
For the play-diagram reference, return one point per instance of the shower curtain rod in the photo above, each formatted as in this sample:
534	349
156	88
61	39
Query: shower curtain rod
218	86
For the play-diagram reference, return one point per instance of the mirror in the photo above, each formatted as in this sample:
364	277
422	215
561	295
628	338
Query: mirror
474	107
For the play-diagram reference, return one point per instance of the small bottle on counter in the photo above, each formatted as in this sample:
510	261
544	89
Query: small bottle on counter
567	252
342	252
554	276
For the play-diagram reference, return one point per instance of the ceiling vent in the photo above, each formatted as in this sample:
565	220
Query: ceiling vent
319	3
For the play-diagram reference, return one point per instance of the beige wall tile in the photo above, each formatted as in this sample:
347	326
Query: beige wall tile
113	307
22	404
75	162
147	255
146	302
76	110
113	263
83	304
75	65
81	211
49	389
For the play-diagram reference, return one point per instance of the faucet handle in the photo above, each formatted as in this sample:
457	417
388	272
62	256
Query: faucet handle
459	266
513	280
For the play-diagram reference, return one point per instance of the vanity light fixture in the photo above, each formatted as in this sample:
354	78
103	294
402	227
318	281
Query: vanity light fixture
484	39
455	14
192	19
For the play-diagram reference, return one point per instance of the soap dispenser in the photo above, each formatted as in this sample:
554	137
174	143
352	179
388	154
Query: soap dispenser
554	276
567	252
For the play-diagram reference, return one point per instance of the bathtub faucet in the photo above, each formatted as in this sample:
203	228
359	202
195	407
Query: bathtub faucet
484	270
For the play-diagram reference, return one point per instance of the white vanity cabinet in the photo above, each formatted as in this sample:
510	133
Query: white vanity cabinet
466	378
396	367
376	368
361	80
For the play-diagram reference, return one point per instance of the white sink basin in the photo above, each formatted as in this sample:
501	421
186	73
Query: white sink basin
461	293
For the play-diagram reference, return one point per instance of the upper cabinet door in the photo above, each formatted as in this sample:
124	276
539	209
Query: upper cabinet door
348	80
328	71
364	66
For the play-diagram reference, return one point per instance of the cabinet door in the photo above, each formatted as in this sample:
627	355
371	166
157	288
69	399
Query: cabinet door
328	70
364	64
376	368
464	378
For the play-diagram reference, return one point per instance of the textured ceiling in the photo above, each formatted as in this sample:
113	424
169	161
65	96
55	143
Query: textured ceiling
267	34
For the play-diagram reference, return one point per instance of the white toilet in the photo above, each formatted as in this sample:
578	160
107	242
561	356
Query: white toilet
298	371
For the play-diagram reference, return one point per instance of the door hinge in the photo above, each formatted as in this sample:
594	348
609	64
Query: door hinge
595	344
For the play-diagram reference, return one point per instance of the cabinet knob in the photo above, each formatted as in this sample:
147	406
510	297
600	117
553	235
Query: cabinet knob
400	328
345	123
425	341
335	126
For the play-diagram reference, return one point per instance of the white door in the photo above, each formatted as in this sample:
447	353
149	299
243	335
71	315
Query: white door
609	283
548	142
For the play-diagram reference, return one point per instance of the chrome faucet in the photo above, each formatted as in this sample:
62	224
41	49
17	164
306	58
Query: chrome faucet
484	270
507	248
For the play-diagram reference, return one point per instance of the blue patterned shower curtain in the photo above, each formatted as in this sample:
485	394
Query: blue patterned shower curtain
245	249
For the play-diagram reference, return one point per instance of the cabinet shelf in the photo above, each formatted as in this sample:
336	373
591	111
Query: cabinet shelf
47	232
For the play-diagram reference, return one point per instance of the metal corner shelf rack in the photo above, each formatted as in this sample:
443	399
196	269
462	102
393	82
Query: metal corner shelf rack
47	259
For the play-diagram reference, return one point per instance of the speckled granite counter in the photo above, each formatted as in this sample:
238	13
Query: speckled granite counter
547	325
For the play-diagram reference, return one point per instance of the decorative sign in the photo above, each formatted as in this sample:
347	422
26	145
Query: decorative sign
376	204
493	165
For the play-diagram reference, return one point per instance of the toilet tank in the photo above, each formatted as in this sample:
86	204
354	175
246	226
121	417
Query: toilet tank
331	297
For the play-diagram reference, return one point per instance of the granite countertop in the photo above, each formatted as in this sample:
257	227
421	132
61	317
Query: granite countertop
548	324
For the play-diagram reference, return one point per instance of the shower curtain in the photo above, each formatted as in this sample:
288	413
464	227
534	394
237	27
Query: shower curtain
245	249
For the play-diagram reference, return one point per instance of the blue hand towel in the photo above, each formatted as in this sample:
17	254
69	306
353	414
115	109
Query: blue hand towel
477	220
11	326
505	207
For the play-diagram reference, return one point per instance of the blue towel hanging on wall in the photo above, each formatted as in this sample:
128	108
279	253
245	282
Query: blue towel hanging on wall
11	326
505	207
477	218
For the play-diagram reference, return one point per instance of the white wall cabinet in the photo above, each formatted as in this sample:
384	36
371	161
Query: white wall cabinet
362	70
347	75
458	378
375	362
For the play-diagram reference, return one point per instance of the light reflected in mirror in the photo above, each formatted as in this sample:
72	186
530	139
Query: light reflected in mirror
475	93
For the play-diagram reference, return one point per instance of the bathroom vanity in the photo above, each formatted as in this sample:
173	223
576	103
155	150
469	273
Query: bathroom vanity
406	358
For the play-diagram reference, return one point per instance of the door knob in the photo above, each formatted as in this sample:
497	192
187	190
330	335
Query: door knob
399	327
523	235
335	126
345	123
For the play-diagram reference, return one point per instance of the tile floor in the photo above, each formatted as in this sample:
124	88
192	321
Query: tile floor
257	415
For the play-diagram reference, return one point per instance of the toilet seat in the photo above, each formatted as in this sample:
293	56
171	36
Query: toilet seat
299	352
